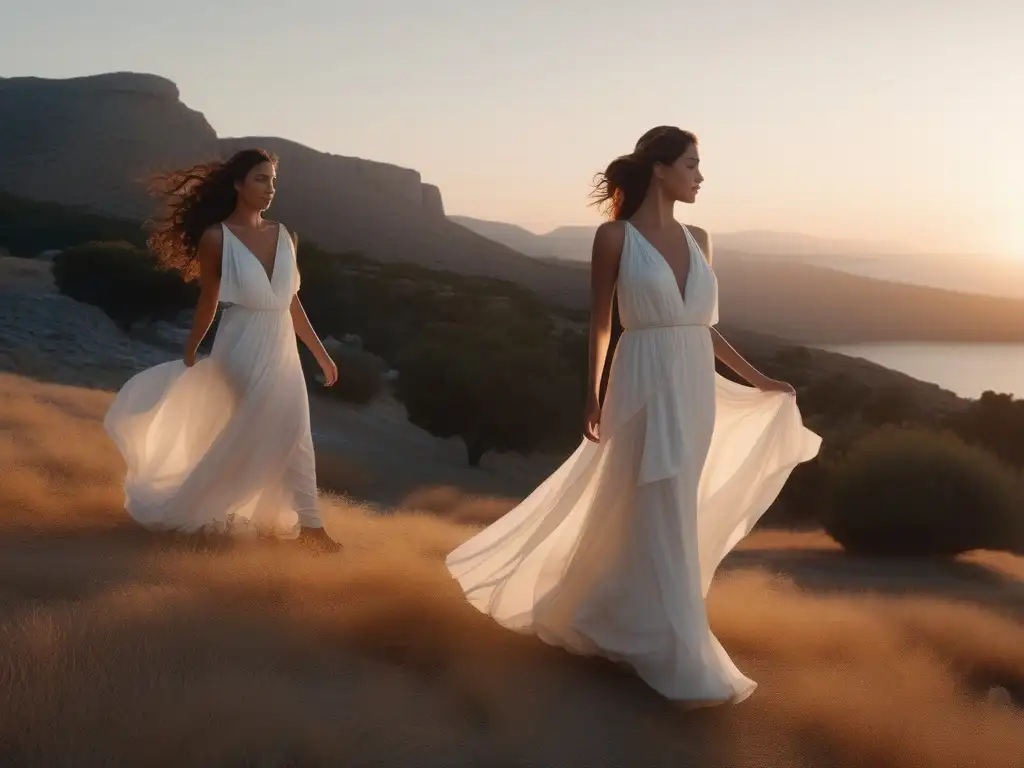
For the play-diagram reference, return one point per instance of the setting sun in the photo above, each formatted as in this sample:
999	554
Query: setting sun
1015	232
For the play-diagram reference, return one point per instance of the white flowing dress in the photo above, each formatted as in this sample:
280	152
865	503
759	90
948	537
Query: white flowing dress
614	553
226	446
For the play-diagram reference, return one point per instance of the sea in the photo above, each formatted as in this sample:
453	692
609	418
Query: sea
963	368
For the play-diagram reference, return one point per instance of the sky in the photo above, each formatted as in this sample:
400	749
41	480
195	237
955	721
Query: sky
898	120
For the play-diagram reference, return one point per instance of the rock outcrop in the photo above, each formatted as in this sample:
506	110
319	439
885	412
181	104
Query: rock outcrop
388	213
47	335
432	201
95	141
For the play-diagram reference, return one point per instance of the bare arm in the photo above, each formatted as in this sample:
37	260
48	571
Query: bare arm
604	271
304	330
209	255
724	351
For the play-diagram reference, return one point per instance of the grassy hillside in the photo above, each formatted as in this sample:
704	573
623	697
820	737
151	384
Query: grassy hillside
129	649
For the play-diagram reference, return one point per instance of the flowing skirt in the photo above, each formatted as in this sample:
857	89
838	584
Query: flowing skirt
224	446
614	553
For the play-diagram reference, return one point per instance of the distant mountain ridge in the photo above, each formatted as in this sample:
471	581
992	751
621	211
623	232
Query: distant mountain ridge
93	142
808	300
572	242
969	273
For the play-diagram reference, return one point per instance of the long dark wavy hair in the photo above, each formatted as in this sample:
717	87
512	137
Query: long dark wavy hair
196	198
623	185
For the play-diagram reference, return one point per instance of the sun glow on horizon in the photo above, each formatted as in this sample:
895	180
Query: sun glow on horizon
1015	241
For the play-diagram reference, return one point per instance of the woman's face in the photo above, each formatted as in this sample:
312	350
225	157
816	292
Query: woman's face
681	180
256	191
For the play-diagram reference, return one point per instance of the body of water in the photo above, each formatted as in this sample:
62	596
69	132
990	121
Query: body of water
966	369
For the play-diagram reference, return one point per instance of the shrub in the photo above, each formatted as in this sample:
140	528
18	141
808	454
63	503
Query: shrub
892	404
360	374
123	280
837	396
388	304
487	386
799	502
996	422
914	492
28	227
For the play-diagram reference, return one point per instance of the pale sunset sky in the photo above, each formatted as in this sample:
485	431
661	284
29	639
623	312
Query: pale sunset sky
892	120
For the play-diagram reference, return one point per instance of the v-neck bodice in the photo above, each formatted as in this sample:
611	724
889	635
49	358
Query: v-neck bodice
277	247
244	280
649	294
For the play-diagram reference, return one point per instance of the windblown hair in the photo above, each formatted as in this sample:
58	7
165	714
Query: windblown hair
197	198
621	188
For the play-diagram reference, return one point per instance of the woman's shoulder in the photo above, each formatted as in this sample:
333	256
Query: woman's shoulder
210	248
609	239
610	233
212	236
278	225
703	239
698	232
281	228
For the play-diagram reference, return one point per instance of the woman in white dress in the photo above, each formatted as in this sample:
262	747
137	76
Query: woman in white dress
223	444
614	553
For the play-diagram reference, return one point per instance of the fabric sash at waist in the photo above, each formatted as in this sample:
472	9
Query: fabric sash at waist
228	305
663	327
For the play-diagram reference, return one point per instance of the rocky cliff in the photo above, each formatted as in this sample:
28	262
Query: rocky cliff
95	141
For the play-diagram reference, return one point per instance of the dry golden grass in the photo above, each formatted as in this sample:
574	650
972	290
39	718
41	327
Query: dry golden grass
457	506
122	648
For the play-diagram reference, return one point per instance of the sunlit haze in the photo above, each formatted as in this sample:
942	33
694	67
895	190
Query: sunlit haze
890	121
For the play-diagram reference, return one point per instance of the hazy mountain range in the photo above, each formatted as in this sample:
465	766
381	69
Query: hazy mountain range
992	275
573	242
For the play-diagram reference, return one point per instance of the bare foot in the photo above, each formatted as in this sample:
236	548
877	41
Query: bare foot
318	539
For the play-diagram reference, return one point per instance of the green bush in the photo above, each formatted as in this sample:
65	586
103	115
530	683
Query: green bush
996	422
124	281
388	304
913	492
836	396
490	388
28	227
360	374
